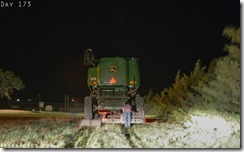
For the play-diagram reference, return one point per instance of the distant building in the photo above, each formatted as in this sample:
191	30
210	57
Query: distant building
48	108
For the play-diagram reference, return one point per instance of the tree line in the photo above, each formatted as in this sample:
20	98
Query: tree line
218	86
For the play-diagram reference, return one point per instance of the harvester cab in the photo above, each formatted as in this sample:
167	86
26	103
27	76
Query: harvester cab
112	82
89	58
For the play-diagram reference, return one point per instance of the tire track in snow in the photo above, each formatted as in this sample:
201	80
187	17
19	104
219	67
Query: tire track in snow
134	139
128	137
80	138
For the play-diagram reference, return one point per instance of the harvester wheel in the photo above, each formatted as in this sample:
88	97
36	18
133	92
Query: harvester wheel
88	107
90	104
94	108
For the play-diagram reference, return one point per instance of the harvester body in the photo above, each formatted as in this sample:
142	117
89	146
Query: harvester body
112	82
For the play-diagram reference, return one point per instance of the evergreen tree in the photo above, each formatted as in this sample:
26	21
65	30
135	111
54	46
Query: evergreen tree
233	48
223	87
153	104
197	74
174	97
220	86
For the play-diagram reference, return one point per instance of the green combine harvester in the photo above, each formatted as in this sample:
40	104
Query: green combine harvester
112	83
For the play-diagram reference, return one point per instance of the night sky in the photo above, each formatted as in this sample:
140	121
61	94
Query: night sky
44	44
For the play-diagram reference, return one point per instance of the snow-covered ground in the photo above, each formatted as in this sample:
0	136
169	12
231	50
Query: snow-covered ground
199	129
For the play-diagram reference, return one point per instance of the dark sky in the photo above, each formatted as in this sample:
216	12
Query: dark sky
44	44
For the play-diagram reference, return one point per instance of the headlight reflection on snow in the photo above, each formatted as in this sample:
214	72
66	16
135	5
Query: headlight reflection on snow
211	123
212	129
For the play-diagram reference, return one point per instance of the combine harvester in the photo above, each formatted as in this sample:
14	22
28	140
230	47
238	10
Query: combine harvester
112	83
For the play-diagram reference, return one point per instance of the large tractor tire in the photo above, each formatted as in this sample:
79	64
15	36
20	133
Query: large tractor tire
90	103
139	103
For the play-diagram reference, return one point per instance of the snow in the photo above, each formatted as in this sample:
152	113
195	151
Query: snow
200	131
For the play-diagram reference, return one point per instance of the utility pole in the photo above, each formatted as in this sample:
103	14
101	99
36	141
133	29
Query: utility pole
39	97
66	102
41	104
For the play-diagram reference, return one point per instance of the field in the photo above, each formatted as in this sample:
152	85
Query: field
201	129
